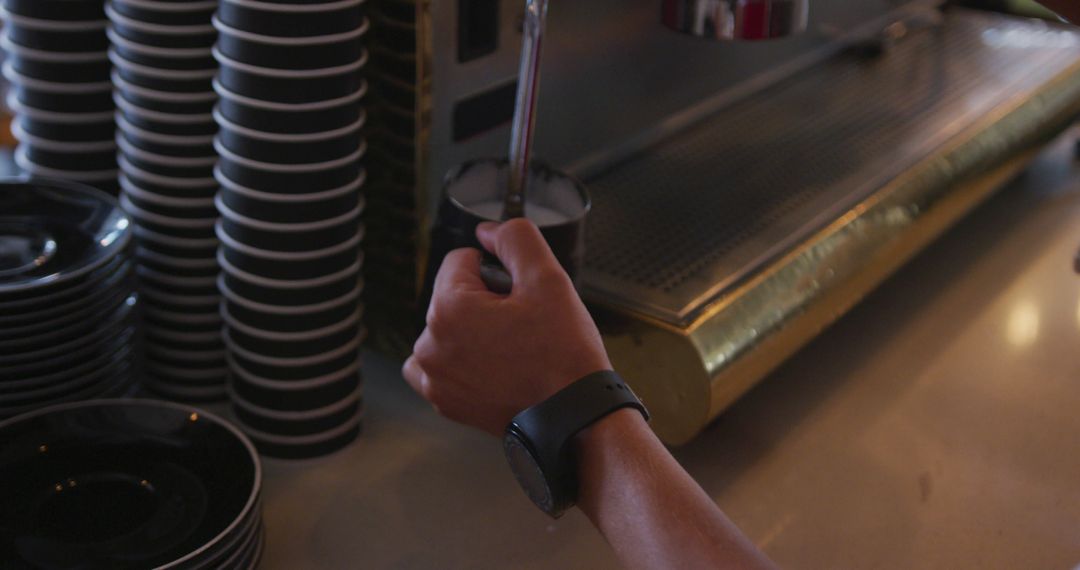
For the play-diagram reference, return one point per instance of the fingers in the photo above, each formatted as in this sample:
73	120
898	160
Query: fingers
460	271
414	376
520	247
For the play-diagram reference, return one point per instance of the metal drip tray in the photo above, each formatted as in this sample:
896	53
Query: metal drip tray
717	254
676	227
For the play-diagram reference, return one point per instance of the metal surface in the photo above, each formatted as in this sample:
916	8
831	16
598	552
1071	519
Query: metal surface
934	427
736	19
521	133
613	75
687	374
676	226
615	81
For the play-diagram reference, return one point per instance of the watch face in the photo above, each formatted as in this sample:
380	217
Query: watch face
527	472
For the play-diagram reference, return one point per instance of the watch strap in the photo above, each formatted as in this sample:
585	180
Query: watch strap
550	425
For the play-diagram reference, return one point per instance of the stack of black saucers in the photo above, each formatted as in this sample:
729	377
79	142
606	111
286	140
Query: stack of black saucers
163	69
68	310
290	147
126	484
59	73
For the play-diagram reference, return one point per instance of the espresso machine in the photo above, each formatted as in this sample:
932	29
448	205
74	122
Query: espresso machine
756	166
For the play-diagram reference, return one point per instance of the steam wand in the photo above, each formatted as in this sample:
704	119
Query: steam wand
521	138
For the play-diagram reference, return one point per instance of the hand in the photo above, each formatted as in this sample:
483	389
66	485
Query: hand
485	357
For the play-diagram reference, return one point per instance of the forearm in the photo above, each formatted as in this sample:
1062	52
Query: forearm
648	508
1068	9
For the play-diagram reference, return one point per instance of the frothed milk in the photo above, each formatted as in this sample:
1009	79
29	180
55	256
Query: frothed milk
540	215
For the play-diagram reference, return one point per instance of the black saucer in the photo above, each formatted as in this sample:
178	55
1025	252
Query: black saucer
53	231
123	484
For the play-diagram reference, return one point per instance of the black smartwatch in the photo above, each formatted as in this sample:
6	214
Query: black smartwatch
537	439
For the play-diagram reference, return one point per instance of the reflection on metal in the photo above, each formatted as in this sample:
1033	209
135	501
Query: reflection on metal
1022	328
690	365
736	19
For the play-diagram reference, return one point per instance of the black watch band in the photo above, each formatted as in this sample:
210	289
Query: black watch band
537	439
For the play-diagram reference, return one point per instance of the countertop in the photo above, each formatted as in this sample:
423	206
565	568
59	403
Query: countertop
935	426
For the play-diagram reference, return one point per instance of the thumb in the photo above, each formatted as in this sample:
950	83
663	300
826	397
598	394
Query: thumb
520	247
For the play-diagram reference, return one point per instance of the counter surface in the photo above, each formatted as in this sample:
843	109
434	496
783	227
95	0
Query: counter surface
935	426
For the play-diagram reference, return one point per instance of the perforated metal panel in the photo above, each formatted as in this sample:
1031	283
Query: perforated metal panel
673	228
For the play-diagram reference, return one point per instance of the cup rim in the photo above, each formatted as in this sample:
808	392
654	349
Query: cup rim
174	241
294	361
500	163
265	39
173	118
152	366
152	292
263	104
227	212
122	62
291	415
232	186
288	310
183	391
168	201
167	221
286	284
176	279
290	385
83	176
310	255
18	79
173	261
189	6
278	73
176	336
115	17
123	124
51	25
128	148
303	440
296	8
353	127
207	318
301	336
59	146
9	45
306	167
126	86
170	181
166	52
22	109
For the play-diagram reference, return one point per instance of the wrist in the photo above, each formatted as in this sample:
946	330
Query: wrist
541	442
616	427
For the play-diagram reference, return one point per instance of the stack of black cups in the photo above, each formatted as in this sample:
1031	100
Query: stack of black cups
290	146
59	73
163	71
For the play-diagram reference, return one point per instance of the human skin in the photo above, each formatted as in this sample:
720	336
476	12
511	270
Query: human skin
484	357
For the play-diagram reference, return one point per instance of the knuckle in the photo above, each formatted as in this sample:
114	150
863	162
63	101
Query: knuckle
437	322
550	278
427	356
427	390
459	255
